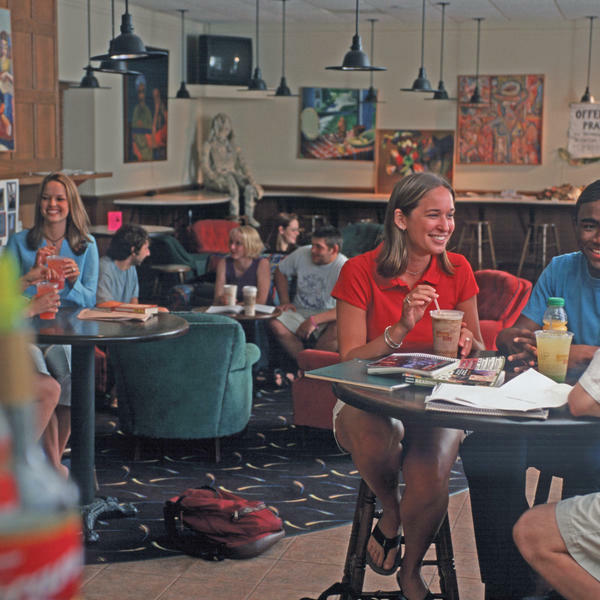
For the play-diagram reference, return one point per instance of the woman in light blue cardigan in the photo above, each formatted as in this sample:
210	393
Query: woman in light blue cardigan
60	227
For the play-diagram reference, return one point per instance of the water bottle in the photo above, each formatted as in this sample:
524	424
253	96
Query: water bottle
555	316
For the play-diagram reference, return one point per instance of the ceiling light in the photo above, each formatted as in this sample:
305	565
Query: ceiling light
421	83
283	90
182	91
441	92
356	59
476	96
257	83
587	97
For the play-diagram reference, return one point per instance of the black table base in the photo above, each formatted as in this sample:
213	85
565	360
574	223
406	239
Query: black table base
103	506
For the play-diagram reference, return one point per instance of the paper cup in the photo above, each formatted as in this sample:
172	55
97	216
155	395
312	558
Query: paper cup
230	291
249	293
553	352
446	326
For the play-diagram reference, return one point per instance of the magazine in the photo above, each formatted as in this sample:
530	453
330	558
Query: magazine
416	363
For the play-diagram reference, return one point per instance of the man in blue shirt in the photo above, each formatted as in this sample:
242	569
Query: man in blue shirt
118	279
495	465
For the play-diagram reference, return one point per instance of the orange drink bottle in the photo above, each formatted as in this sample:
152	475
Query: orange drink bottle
56	263
45	287
555	316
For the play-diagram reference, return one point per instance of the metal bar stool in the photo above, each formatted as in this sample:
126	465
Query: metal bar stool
476	234
169	270
351	586
538	242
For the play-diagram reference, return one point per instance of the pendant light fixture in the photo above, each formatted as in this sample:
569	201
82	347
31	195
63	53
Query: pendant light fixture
371	95
127	45
356	59
257	83
587	97
108	65
441	92
476	96
89	80
182	91
283	90
421	83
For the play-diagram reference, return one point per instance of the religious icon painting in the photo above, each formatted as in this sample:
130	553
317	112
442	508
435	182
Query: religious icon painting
399	152
336	123
506	128
145	109
7	90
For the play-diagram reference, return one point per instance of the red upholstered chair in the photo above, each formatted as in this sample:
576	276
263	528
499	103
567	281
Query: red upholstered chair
212	235
313	399
502	297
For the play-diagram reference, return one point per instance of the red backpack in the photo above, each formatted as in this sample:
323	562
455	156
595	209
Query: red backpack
215	524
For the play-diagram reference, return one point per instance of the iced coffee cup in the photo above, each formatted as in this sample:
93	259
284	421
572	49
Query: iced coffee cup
553	352
446	326
230	293
249	293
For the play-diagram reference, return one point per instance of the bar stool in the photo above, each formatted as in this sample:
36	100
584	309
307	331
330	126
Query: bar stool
477	234
538	242
169	270
351	586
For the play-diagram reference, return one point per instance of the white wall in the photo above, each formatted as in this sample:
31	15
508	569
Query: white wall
267	128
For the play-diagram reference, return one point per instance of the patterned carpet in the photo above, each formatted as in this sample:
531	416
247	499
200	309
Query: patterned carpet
300	473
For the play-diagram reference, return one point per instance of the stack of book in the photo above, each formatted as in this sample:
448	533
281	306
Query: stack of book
119	311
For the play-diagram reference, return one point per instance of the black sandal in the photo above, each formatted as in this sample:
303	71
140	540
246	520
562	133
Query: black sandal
387	544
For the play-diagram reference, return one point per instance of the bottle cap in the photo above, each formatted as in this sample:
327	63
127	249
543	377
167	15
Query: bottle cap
556	301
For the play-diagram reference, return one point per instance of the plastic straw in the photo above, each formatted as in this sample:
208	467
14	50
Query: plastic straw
436	304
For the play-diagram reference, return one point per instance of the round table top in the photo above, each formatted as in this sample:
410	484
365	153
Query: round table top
409	404
66	328
241	316
152	230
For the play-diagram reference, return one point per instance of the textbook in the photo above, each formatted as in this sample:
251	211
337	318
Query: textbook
102	314
142	309
528	395
429	369
238	308
355	372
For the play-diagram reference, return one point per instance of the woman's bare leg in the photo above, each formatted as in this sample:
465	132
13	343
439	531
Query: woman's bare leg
428	460
375	445
47	392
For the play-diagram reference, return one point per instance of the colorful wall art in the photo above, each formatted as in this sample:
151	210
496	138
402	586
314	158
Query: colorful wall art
7	88
403	151
336	123
507	127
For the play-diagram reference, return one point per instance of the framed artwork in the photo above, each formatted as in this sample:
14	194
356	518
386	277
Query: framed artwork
3	229
7	90
12	194
399	152
336	123
145	110
12	223
507	128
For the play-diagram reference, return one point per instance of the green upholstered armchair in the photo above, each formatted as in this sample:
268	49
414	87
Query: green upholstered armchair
197	386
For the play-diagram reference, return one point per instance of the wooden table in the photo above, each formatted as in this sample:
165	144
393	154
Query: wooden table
82	335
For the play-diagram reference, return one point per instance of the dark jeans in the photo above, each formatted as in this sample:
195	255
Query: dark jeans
495	467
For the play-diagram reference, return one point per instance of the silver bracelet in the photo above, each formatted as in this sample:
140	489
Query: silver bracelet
388	339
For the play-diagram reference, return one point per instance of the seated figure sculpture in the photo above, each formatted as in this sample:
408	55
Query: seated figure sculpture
224	169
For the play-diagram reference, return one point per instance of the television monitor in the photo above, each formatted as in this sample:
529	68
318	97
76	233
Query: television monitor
219	59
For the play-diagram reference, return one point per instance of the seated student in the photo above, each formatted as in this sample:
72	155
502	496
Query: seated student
284	233
312	312
560	540
117	278
47	388
494	464
243	266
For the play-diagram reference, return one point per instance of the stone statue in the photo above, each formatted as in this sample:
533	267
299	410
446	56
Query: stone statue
224	169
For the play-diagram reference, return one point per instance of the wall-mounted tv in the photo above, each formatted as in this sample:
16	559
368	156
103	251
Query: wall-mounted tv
219	59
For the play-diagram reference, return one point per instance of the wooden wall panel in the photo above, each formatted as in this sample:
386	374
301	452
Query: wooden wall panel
23	60
45	71
43	11
45	134
25	117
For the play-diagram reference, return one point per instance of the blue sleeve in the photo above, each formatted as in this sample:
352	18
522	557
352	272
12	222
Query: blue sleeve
83	292
542	290
25	258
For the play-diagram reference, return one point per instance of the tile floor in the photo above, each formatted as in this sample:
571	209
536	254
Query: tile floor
295	567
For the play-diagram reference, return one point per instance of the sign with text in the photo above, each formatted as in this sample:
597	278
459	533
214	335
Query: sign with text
584	131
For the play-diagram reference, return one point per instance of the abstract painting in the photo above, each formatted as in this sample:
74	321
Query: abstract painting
145	110
7	88
336	123
506	128
399	152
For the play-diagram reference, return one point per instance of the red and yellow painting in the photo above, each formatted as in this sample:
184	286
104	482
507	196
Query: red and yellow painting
399	152
506	128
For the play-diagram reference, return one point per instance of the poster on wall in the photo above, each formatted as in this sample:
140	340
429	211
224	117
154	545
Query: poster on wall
7	90
506	129
399	152
584	131
10	190
336	123
4	232
145	110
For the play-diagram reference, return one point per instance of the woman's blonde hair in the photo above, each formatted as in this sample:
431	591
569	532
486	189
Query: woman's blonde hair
77	233
393	258
250	240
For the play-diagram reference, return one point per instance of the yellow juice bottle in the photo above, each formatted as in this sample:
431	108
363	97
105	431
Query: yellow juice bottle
555	317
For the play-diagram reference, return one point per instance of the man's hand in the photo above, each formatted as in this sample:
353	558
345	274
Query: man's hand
521	349
34	275
288	306
305	329
45	303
